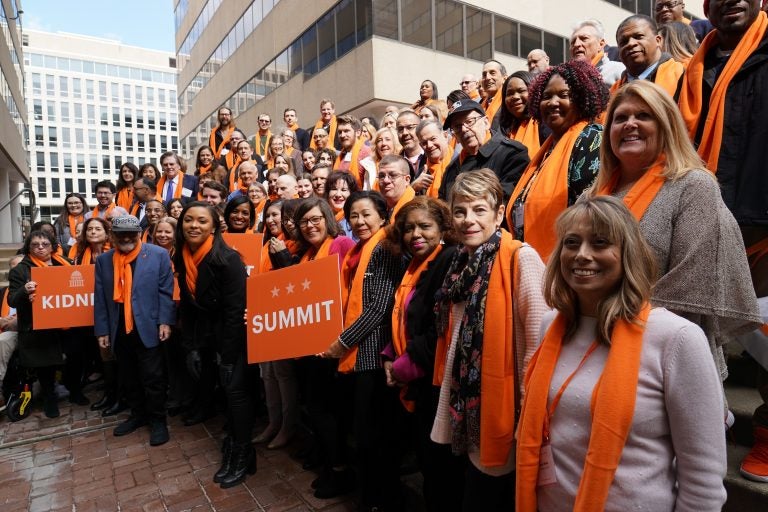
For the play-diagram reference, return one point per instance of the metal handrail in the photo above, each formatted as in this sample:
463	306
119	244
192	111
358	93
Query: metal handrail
32	200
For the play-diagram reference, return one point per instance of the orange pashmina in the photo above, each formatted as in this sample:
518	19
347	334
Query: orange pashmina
203	169
54	257
404	199
642	192
176	189
691	94
492	105
258	147
354	162
667	77
192	261
352	293
224	140
125	198
527	134
331	133
437	170
322	252
547	184
5	309
73	222
612	407
97	213
123	282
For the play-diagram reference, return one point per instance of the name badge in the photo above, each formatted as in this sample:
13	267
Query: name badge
547	472
518	217
185	192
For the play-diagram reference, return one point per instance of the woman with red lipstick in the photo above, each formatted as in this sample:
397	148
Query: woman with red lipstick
489	310
516	121
567	99
622	403
423	230
650	163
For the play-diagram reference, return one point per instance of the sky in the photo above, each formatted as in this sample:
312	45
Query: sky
144	23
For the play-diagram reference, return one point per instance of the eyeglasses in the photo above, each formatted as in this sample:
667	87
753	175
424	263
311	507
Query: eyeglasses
319	135
104	193
391	175
667	5
468	123
264	121
315	221
407	127
155	210
136	189
467	82
40	245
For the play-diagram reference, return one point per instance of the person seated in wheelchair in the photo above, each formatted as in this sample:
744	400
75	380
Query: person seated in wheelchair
8	330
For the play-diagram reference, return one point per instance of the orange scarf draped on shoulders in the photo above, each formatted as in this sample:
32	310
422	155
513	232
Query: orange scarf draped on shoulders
5	308
176	189
258	147
61	260
404	199
203	169
123	282
437	171
352	293
97	213
691	96
643	191
667	76
125	198
224	140
322	252
331	133
73	222
354	162
612	407
527	134
72	251
492	106
192	262
498	379
547	191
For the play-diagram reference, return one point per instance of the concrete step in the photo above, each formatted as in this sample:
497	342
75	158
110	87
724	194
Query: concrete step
742	401
743	495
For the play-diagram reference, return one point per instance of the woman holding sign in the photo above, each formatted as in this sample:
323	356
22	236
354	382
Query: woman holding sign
212	283
370	274
39	349
623	405
489	312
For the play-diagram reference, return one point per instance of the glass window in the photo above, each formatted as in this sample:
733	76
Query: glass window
449	27
139	119
364	15
309	51
139	94
54	162
81	186
126	93
50	62
49	87
89	89
80	164
152	143
115	116
40	161
103	91
118	141
68	185
417	22
65	112
79	143
76	92
295	58
76	65
88	66
36	83
629	5
385	18
38	110
151	96
104	116
115	90
65	139
151	119
67	163
105	164
140	141
555	48
55	189
174	120
345	27
104	139
51	110
128	117
78	112
163	121
129	142
53	140
92	139
91	114
646	7
64	86
163	143
478	34
326	37
506	36
161	97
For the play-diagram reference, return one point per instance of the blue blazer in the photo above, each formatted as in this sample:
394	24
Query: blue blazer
151	295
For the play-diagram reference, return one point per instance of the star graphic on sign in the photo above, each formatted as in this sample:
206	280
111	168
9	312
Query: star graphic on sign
275	291
305	284
289	288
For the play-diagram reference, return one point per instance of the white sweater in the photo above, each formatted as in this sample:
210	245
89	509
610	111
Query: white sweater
674	458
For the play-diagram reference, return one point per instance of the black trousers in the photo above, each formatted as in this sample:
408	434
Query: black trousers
328	408
239	405
488	493
142	375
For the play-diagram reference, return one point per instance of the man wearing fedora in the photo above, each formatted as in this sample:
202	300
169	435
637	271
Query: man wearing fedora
133	312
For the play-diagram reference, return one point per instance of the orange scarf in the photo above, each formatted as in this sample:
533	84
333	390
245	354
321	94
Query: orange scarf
87	256
498	380
72	251
331	133
294	128
5	309
404	199
259	208
96	211
547	191
203	169
527	134
612	407
437	170
598	58
642	192
492	105
691	94
123	282
231	160
354	167
352	293
667	77
322	252
261	149
234	178
125	197
340	215
73	222
192	261
176	190
224	140
54	257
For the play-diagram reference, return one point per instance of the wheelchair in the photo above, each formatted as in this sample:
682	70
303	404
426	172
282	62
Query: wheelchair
17	387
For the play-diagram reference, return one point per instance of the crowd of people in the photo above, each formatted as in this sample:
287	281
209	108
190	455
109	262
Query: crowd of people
539	272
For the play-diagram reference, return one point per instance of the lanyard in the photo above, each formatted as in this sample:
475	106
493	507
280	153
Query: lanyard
559	394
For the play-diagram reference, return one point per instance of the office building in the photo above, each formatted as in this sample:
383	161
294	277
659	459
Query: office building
265	55
14	167
93	104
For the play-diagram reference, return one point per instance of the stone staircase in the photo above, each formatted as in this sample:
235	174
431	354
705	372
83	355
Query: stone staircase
6	252
743	398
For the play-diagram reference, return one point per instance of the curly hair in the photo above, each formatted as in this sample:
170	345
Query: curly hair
589	94
437	210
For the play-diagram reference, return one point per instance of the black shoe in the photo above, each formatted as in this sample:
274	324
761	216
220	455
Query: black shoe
322	480
51	406
226	460
129	425
116	408
339	483
105	402
158	433
78	398
243	464
198	416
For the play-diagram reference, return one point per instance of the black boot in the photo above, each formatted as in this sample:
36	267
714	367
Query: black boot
243	463
51	404
226	460
110	387
118	407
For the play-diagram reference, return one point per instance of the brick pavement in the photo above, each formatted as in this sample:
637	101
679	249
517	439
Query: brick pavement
74	463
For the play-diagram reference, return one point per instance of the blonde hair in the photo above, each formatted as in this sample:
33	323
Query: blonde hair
479	184
681	157
610	218
396	147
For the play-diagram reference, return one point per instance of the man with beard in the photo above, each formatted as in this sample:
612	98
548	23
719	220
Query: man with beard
405	126
220	135
353	148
